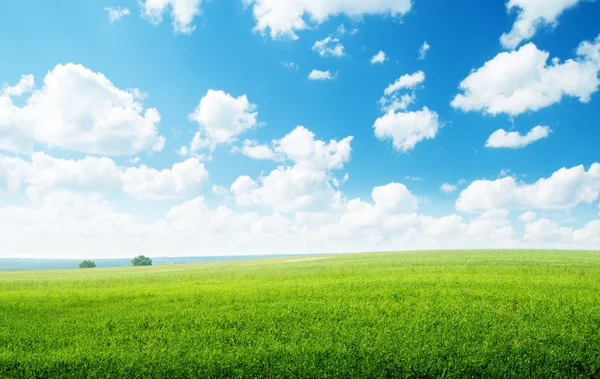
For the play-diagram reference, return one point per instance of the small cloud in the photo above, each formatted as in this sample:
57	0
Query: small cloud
448	188
134	160
329	47
116	13
183	151
423	50
413	178
321	75
290	65
514	140
379	57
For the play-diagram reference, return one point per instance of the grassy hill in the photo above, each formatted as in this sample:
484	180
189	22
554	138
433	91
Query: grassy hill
419	314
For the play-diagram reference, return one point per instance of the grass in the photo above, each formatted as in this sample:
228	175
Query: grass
492	314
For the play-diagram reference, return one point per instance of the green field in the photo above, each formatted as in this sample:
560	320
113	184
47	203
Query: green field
490	314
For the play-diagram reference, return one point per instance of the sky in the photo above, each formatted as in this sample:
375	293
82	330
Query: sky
233	127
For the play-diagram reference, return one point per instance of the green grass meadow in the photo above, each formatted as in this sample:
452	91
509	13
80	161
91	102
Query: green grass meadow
454	314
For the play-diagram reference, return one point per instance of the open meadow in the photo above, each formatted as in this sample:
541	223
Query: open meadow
456	314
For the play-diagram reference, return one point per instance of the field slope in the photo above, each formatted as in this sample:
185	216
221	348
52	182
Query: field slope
494	314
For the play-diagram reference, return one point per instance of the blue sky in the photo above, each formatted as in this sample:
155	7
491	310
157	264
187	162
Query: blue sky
85	172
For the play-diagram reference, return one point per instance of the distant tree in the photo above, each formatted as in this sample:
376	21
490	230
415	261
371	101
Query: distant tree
87	264
141	261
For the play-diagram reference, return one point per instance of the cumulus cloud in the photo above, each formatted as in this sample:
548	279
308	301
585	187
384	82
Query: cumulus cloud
116	13
379	57
284	18
182	13
320	75
44	173
545	230
501	138
307	183
107	120
221	118
406	129
519	81
423	50
531	15
564	189
329	47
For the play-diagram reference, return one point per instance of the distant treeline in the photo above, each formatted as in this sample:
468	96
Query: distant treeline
55	264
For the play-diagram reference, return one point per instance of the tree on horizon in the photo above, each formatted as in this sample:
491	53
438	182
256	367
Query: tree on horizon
141	260
87	264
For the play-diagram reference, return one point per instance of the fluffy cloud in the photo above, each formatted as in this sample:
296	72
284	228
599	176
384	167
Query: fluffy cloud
182	180
183	13
329	47
502	138
44	173
256	151
545	230
106	121
320	75
522	80
116	13
531	15
284	18
406	129
221	118
423	50
565	189
379	57
305	184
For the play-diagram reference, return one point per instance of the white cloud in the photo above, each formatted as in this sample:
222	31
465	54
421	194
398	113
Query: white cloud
290	65
305	184
321	75
448	188
502	138
44	173
379	57
284	18
406	129
545	230
255	151
423	50
106	121
531	15
25	85
528	216
221	119
522	80
409	81
565	189
413	178
329	47
116	13
182	12
182	180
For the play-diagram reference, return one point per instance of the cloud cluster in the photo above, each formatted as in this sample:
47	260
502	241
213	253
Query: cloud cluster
182	13
405	129
501	138
79	110
284	18
519	81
